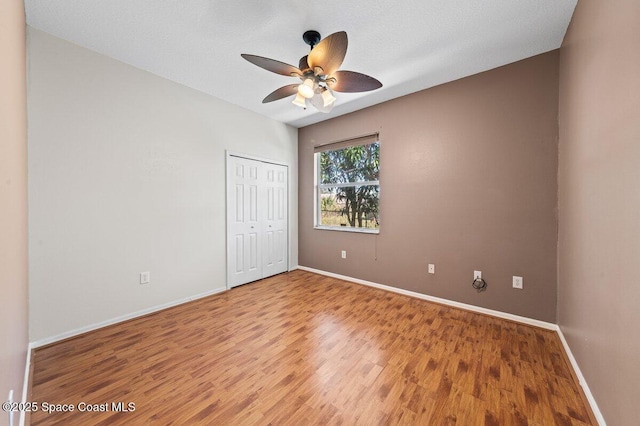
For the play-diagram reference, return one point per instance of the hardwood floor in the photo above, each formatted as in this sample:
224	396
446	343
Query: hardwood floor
304	349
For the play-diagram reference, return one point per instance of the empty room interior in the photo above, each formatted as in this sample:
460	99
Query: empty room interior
219	212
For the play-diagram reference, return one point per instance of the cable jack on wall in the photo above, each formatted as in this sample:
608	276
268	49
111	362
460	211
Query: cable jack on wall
479	284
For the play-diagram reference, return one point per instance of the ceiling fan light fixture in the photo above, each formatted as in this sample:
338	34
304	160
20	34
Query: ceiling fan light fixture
319	73
300	100
327	97
306	89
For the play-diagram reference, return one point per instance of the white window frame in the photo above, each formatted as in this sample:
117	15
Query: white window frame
317	204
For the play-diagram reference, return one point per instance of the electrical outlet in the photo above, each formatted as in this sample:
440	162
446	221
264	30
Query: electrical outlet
145	277
432	268
518	282
477	274
344	254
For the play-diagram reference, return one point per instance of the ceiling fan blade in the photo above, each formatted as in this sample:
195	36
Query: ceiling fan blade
329	53
280	93
303	65
350	81
272	65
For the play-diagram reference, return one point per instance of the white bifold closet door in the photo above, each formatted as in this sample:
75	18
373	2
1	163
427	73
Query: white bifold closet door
257	220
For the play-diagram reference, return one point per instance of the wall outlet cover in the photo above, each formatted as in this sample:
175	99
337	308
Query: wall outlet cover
518	282
432	268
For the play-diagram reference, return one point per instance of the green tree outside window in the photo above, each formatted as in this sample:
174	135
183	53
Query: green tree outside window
349	187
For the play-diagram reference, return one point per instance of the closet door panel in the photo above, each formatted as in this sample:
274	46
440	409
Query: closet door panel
276	220
244	225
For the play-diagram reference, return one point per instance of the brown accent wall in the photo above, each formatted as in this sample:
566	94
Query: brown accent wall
468	182
599	202
13	201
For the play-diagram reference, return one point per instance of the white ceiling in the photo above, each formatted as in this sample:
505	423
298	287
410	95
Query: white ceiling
408	45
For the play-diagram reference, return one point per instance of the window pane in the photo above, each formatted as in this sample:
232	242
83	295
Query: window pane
353	206
359	163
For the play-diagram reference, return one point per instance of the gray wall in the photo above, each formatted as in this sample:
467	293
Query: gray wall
468	182
14	336
127	174
599	204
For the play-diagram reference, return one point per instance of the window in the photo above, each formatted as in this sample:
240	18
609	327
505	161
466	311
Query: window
347	185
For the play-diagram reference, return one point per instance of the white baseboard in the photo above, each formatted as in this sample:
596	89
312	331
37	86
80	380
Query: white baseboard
25	383
582	381
91	327
499	314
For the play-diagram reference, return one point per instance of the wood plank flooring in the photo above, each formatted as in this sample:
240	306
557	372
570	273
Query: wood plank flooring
304	349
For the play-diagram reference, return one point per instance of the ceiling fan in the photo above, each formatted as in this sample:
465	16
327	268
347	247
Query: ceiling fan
318	72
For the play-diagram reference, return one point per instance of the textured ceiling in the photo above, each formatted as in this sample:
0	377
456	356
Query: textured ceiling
408	45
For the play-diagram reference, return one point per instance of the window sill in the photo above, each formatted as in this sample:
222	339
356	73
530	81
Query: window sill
348	229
